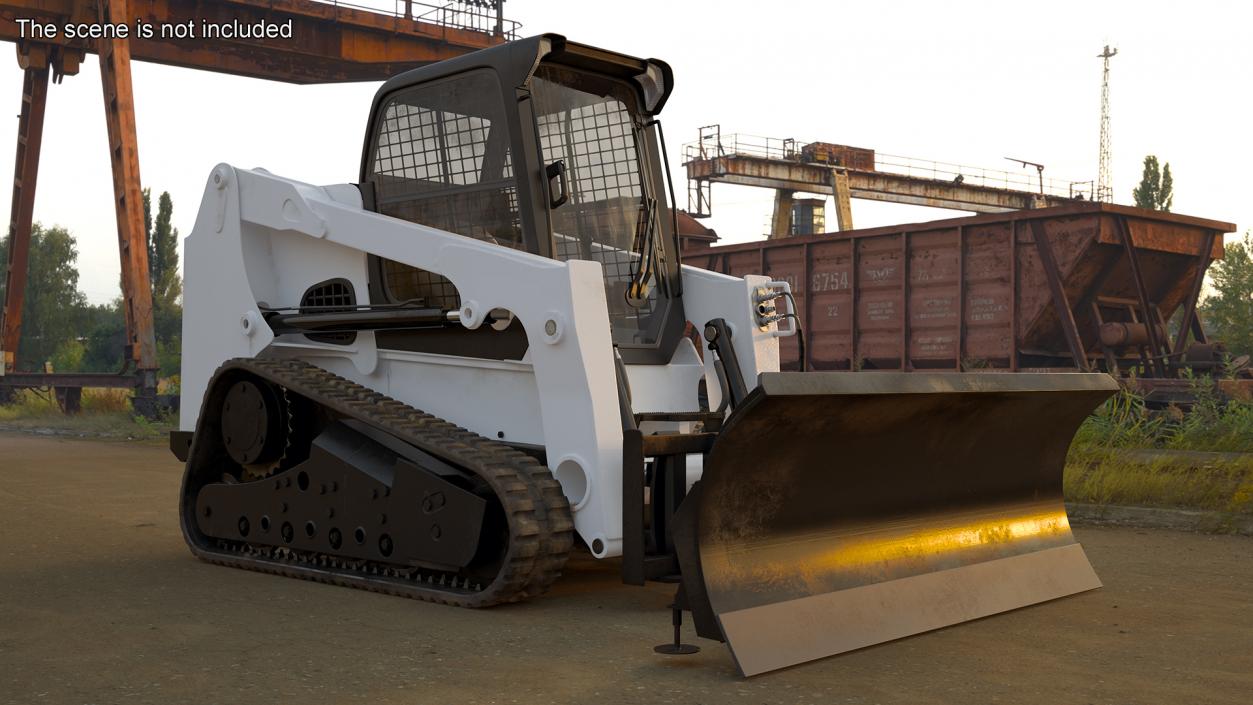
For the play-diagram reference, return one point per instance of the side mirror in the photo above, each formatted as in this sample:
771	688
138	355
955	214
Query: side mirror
557	170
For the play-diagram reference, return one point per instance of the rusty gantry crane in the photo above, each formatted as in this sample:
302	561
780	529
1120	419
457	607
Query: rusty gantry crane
788	166
333	42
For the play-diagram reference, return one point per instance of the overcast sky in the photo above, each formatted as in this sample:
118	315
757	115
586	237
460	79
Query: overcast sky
968	83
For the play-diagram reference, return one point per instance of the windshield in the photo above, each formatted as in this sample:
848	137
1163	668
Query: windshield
591	124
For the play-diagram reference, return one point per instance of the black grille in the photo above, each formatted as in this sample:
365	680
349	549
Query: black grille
328	296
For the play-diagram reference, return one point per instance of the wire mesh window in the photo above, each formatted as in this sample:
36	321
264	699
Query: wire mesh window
589	123
441	158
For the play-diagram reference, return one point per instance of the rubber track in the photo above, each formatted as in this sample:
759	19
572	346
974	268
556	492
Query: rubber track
541	528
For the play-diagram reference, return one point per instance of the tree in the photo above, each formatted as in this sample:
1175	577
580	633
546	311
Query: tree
147	193
1228	311
53	305
1156	189
163	253
59	325
106	337
167	287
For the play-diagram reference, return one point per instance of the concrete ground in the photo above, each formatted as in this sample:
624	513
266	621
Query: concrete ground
100	602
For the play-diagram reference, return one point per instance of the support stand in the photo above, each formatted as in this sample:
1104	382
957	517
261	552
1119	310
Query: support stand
676	648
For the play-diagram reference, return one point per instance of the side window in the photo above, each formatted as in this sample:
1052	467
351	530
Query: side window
441	158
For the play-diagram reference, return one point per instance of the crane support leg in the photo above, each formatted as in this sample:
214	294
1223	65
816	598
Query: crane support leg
781	223
843	199
119	108
25	171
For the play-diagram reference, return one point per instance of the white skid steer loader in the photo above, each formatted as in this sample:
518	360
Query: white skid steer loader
429	382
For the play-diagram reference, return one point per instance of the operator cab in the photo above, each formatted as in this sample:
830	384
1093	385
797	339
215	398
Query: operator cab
542	145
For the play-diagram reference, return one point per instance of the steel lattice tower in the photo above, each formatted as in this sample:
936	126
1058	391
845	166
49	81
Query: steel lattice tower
1104	180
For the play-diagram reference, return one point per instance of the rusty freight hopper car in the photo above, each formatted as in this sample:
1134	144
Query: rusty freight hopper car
1089	285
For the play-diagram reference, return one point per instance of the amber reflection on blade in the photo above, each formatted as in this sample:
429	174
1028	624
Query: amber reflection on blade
846	557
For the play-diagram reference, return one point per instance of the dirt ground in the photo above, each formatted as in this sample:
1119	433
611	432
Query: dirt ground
100	602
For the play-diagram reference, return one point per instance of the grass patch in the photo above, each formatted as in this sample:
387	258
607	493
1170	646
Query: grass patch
1201	458
1221	483
106	413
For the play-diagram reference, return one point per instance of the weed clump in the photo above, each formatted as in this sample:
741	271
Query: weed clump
106	413
1200	457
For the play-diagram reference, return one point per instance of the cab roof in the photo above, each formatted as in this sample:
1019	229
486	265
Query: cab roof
515	61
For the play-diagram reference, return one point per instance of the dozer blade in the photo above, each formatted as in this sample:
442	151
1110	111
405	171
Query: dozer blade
839	510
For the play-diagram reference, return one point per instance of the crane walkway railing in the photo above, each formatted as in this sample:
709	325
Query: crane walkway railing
474	15
713	144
